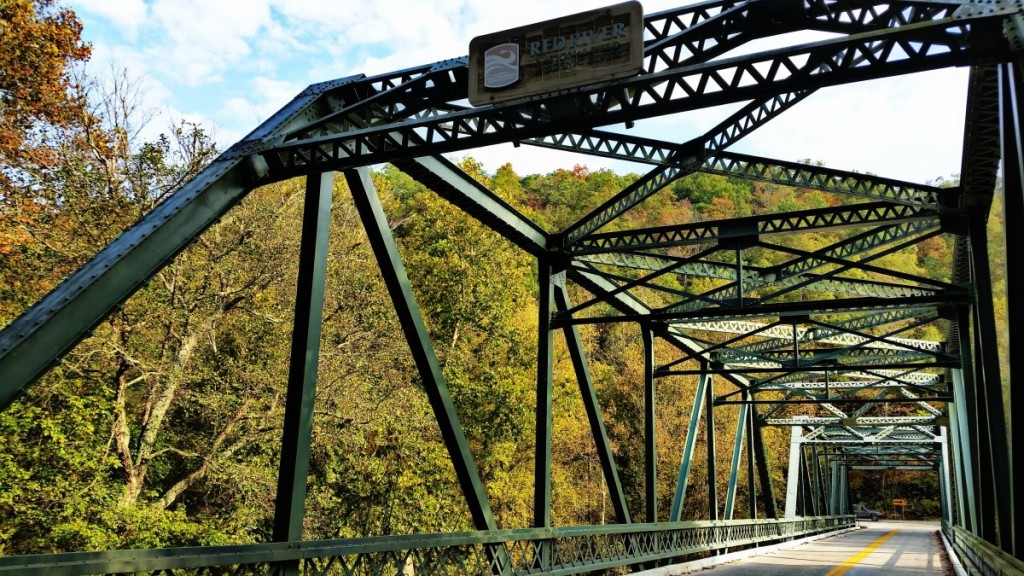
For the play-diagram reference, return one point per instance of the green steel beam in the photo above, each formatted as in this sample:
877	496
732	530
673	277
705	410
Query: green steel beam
793	476
593	408
962	476
808	501
650	151
791	275
821	492
453	184
734	467
544	423
686	462
878	213
293	467
378	231
751	482
987	509
630	305
712	452
650	427
913	48
1011	77
637	192
945	488
991	389
763	464
827	179
800	308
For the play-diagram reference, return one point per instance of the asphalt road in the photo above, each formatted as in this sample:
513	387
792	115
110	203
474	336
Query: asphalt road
885	547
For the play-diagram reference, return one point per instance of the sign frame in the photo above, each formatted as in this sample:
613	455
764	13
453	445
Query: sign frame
577	50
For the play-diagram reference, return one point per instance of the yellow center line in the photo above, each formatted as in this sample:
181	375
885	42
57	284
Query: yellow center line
856	558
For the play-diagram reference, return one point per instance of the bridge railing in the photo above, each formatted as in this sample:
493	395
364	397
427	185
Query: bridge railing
569	550
980	556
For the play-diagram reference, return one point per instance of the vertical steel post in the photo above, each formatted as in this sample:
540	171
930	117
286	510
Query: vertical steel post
289	507
793	478
650	428
955	441
970	431
834	489
844	503
1011	106
945	489
751	482
990	392
709	429
819	482
737	452
807	497
686	462
763	471
545	347
593	408
378	232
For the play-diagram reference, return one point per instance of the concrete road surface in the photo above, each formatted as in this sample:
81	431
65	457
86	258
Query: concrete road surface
885	547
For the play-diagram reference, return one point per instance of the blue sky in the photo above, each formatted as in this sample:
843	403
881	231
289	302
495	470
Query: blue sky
229	64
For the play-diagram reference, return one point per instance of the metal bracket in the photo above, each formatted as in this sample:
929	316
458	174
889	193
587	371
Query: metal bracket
558	279
1013	29
979	8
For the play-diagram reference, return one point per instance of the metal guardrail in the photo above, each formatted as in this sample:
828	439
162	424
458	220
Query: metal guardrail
513	552
980	556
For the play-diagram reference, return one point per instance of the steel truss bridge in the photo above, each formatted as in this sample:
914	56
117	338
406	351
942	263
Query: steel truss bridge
818	343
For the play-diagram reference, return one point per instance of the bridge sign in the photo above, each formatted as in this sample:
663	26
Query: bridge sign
577	50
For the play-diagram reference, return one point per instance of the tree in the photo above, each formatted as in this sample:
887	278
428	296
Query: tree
40	43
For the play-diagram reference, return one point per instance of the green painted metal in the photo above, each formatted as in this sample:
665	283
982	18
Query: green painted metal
820	488
945	488
991	388
293	467
835	486
650	428
584	549
545	352
712	451
980	556
378	231
691	442
763	467
793	476
734	468
810	66
962	475
1011	77
459	188
593	408
751	482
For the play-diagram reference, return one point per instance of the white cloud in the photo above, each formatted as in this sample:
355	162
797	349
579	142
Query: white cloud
126	15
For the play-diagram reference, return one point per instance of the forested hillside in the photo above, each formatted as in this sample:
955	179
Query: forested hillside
162	427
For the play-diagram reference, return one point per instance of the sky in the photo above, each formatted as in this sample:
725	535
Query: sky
230	64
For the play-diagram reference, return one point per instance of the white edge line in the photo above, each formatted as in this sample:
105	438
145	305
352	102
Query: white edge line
953	558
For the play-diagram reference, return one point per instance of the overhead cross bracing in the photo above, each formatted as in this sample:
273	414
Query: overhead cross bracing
880	366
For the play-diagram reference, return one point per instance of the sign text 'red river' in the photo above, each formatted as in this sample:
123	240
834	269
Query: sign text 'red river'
577	50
